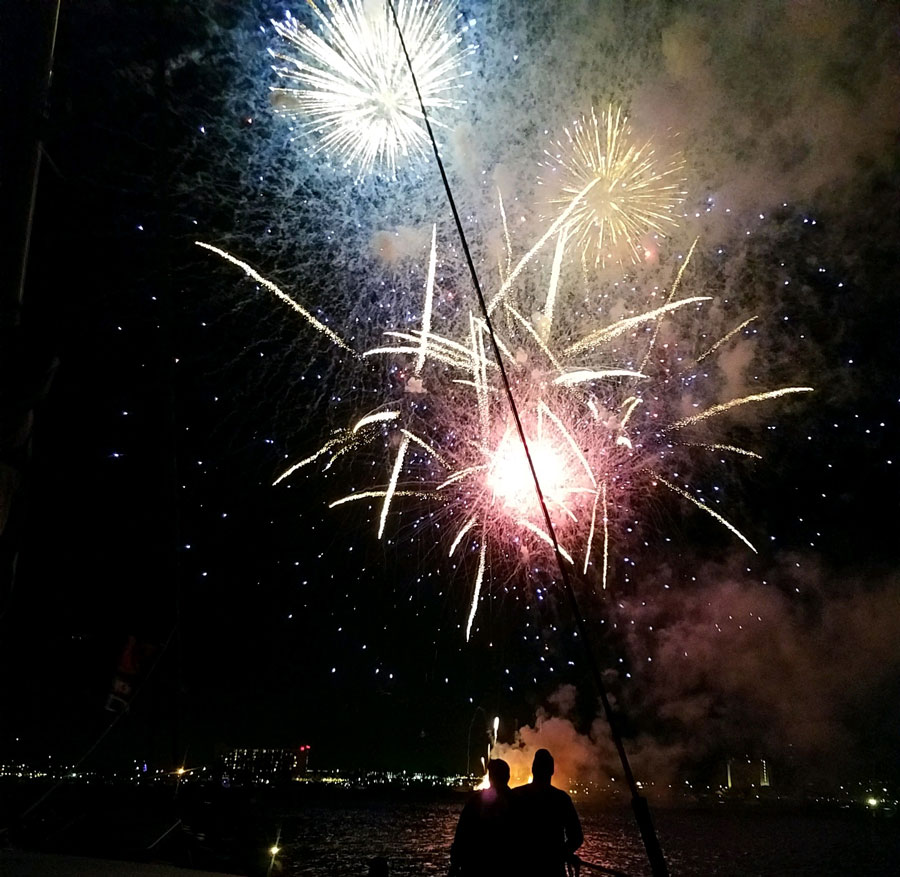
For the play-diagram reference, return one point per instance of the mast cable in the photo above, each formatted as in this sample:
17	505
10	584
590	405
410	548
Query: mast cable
638	802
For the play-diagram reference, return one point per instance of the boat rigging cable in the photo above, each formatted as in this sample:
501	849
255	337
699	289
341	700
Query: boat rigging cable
638	802
162	178
103	734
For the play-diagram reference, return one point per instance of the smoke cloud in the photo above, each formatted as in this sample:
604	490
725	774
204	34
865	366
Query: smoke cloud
732	669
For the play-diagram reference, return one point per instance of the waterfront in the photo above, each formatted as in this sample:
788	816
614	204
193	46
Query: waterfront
415	837
335	831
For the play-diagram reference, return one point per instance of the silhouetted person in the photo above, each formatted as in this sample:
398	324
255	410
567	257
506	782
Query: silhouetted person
548	830
484	834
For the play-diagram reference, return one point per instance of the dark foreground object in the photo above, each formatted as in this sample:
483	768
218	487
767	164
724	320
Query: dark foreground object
40	865
206	828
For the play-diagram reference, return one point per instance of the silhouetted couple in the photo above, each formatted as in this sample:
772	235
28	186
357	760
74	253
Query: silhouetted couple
529	831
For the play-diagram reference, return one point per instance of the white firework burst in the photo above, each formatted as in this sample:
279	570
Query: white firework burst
350	83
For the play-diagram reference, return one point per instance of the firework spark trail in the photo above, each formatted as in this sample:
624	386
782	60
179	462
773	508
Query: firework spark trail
262	281
570	379
392	485
476	593
378	417
590	538
535	335
725	338
702	505
605	537
544	536
428	448
344	441
554	228
734	403
717	447
630	406
636	195
429	300
461	534
685	262
544	410
554	281
607	333
480	377
503	273
310	459
448	353
350	84
376	494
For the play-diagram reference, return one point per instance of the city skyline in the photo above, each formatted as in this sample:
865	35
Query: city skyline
183	390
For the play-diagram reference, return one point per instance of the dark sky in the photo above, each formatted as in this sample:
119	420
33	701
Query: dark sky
181	389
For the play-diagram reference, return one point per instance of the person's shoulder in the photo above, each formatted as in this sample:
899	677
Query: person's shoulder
473	801
520	795
560	795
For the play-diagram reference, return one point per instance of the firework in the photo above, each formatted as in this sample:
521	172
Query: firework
349	82
492	742
599	413
635	192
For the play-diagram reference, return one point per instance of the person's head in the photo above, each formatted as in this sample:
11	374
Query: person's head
542	766
498	773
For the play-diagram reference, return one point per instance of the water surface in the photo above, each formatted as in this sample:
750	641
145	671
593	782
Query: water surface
339	839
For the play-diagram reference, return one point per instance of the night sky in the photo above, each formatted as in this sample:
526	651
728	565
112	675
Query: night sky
183	389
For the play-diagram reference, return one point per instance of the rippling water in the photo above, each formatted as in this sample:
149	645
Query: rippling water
339	839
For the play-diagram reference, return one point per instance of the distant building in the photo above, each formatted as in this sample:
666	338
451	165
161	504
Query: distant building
265	766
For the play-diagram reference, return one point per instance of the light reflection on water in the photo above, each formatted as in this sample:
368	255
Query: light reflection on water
339	839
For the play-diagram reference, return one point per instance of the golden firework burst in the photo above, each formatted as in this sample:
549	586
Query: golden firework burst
635	195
